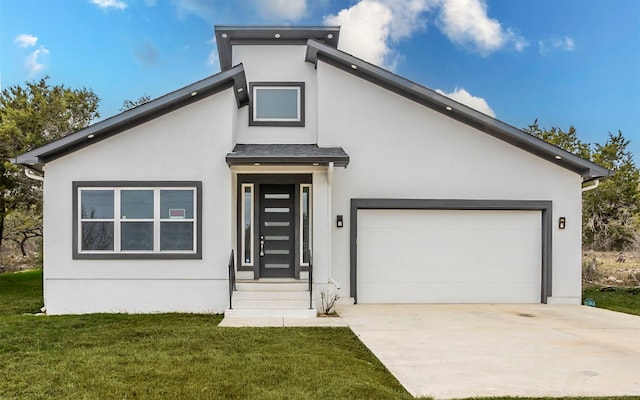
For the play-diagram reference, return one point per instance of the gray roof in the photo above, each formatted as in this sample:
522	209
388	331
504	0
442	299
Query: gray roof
233	77
451	108
226	36
294	154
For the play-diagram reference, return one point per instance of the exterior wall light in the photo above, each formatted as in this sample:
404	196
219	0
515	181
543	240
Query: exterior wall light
562	223
339	221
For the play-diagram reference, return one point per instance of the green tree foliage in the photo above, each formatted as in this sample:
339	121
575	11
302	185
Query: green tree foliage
129	104
565	140
610	213
31	116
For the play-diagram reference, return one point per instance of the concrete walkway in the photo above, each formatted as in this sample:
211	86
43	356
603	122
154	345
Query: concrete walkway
456	351
238	322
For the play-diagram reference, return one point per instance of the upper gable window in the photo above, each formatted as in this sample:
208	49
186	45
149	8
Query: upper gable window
277	104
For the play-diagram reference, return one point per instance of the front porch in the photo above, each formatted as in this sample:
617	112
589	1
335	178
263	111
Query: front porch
272	298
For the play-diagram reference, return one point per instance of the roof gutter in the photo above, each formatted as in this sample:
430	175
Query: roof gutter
596	183
32	174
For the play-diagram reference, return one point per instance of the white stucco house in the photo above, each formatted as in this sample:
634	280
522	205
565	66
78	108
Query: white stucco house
296	155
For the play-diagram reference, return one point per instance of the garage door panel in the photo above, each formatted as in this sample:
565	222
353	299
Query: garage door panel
455	294
449	256
449	274
444	255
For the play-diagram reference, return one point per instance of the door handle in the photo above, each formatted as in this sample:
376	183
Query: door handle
261	246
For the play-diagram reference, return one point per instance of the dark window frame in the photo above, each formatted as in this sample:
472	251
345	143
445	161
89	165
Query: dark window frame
301	105
77	254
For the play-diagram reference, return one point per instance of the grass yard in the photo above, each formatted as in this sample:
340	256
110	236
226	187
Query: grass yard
174	356
626	300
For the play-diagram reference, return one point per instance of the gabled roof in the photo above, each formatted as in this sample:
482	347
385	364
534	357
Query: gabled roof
451	108
228	36
235	77
321	45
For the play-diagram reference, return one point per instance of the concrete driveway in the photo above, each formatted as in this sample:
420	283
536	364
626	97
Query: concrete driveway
456	351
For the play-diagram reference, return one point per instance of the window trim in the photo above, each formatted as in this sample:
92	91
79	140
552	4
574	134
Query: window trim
137	254
299	122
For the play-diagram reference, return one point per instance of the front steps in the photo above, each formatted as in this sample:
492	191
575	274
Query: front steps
267	298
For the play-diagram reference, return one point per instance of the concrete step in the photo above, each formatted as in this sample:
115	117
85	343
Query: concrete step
270	295
272	286
262	304
266	313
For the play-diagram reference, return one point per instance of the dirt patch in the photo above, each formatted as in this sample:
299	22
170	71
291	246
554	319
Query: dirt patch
11	259
611	268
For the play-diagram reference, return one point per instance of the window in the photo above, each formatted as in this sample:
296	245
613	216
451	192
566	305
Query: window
137	219
247	224
277	104
305	224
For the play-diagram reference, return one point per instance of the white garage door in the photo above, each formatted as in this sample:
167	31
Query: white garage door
449	256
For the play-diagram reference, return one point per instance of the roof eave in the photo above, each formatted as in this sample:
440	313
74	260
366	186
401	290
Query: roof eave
234	77
453	109
227	36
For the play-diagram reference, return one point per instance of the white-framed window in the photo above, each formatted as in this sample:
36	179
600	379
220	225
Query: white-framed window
277	104
247	224
137	220
305	223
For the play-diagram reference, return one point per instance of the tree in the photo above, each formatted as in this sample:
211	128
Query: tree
32	116
610	213
565	140
129	104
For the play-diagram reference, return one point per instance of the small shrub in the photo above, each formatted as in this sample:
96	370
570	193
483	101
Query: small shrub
590	270
329	299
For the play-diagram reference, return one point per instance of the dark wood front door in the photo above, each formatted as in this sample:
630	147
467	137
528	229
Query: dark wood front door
277	230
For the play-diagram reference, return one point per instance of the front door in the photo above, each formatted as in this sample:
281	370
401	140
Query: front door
277	230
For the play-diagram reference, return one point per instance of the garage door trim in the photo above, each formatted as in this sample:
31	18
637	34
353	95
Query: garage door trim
438	204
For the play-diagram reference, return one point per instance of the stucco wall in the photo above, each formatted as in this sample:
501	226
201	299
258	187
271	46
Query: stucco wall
400	149
187	144
277	64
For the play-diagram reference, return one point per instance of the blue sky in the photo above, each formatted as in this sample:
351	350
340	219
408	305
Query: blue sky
563	62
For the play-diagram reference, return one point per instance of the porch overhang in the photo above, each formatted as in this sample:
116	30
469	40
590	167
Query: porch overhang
287	154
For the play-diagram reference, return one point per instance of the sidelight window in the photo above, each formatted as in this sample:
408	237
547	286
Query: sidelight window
247	224
305	224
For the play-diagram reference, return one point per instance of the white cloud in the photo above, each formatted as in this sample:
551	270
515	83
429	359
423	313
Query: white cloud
462	96
290	10
25	40
34	63
213	61
466	23
365	31
104	4
371	28
565	43
203	9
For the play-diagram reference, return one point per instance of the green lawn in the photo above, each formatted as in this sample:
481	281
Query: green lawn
175	356
622	300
